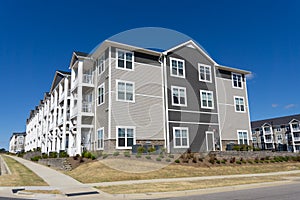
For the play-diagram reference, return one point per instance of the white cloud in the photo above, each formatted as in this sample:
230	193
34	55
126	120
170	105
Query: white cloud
290	106
274	105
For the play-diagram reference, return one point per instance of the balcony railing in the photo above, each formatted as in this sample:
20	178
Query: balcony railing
297	138
268	140
87	78
87	107
296	129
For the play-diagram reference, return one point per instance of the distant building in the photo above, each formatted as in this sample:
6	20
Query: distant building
16	143
282	133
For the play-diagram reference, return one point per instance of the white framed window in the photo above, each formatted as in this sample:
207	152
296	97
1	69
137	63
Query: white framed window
178	96
125	60
237	80
125	91
279	138
177	67
278	129
101	64
254	139
125	137
242	136
239	104
181	137
207	99
100	138
204	72
101	94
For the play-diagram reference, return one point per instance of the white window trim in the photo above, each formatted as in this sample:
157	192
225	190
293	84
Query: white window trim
133	85
174	140
98	65
102	85
213	136
185	102
102	128
117	57
213	103
117	137
232	73
235	104
183	67
243	138
204	65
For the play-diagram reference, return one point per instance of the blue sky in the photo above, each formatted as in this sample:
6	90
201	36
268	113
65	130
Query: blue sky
38	37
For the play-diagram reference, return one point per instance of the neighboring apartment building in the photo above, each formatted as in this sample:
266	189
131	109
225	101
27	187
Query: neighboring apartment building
282	133
122	95
16	142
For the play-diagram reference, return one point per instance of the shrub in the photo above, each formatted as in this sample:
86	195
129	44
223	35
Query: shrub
158	159
127	154
87	154
256	160
177	161
116	153
223	161
267	157
168	160
148	157
44	155
212	158
36	158
171	156
141	149
250	161
151	150
236	148
161	156
232	160
138	155
38	149
52	154
218	161
104	155
63	154
201	159
93	157
238	162
195	159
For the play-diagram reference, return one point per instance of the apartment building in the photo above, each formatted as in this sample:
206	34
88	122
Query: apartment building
121	95
16	142
282	133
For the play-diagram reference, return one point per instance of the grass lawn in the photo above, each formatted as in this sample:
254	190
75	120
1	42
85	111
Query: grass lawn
184	185
21	175
94	172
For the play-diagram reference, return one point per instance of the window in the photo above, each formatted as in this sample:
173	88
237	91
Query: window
101	64
278	129
177	67
178	96
100	138
125	91
180	135
237	80
242	137
279	138
125	59
239	104
101	93
125	137
204	72
207	99
254	139
267	129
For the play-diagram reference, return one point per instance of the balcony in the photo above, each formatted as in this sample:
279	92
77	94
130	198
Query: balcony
74	84
297	138
87	78
268	140
61	97
296	129
86	107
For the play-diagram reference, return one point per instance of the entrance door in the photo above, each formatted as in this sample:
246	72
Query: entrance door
210	146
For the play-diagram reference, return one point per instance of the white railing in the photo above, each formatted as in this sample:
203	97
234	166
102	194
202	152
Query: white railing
296	129
268	140
268	132
297	138
86	107
87	78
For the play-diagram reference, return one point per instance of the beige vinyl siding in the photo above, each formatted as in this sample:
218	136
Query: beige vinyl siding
146	113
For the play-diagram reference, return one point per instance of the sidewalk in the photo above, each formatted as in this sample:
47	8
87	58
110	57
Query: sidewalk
67	185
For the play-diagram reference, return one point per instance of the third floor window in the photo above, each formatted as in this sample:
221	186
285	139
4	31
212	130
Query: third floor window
237	80
204	72
125	60
177	67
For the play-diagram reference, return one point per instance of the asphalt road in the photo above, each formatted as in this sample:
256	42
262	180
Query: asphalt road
282	192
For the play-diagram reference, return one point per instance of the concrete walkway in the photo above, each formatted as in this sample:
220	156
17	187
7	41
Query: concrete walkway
67	185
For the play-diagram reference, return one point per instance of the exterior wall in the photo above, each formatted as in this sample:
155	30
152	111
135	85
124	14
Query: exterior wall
230	120
197	119
16	143
146	113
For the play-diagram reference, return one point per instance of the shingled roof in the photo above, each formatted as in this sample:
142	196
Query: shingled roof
278	121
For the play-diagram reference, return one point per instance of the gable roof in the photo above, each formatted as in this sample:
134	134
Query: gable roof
59	75
278	121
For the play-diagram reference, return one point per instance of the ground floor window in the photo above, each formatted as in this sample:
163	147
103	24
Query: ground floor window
243	137
181	137
100	138
125	137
